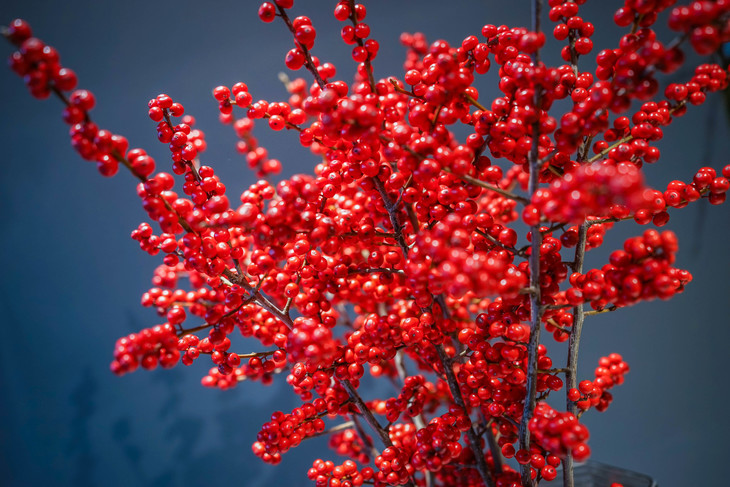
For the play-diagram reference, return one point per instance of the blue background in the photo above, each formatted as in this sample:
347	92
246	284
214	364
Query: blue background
73	278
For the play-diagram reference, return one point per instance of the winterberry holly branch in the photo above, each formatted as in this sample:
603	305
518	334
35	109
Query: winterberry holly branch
401	250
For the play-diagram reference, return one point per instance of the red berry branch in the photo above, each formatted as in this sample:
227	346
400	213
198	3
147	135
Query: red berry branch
410	247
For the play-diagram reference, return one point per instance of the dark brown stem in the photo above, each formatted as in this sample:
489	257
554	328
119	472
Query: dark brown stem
256	354
553	371
393	214
571	374
558	326
366	440
397	87
534	266
375	270
572	37
187	331
474	442
583	150
607	220
547	158
265	303
366	413
495	449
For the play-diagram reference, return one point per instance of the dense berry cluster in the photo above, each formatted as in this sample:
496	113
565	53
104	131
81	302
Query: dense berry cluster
640	272
404	256
286	431
593	190
559	433
610	372
327	474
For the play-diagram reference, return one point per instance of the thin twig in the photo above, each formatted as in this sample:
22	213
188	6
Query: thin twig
600	311
334	429
393	215
500	244
471	100
360	43
368	415
309	62
471	434
366	440
494	448
482	184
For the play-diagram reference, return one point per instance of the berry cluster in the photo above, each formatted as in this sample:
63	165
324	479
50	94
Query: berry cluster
705	22
436	445
148	348
39	65
641	271
348	443
286	431
559	433
393	467
591	190
327	474
610	372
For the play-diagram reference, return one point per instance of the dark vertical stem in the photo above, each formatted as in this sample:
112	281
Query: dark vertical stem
536	13
369	418
494	448
393	215
575	332
472	436
534	265
365	438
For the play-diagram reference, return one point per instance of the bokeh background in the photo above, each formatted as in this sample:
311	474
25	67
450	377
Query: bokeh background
72	278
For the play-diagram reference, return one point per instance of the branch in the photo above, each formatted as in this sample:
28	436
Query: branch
309	62
364	437
471	100
474	442
482	184
494	448
393	214
368	415
368	66
496	242
600	311
334	429
534	265
571	374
